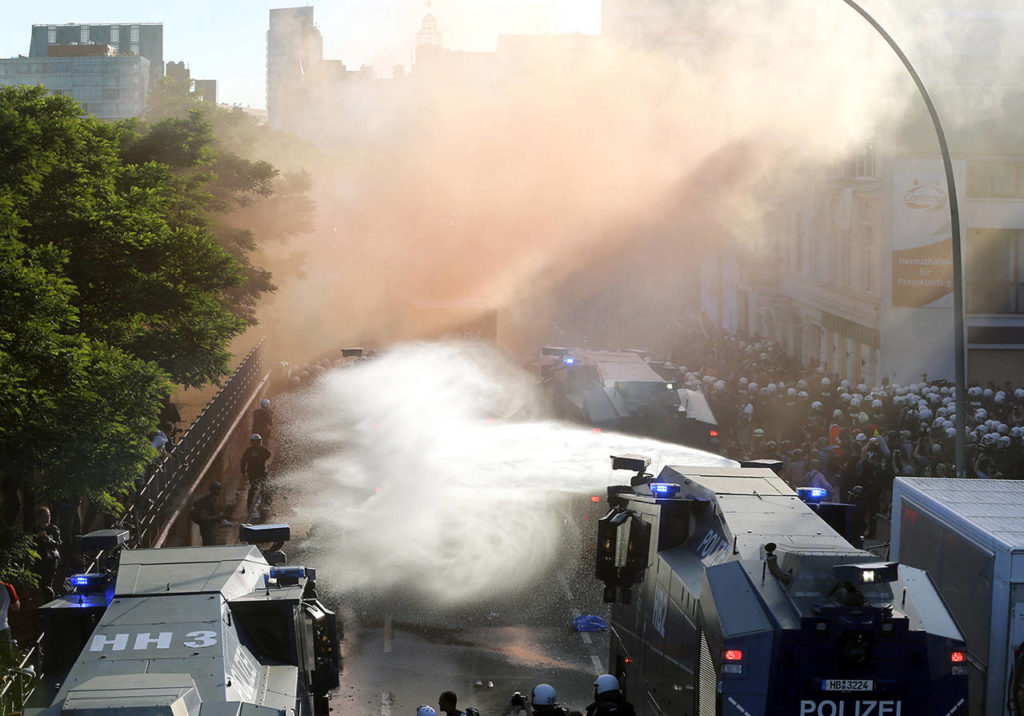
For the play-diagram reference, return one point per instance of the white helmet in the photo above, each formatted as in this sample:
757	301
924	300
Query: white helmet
980	414
256	436
1004	441
1002	428
876	403
426	711
816	405
987	392
1000	397
752	386
950	432
791	392
605	683
543	695
265	403
974	391
825	382
1018	393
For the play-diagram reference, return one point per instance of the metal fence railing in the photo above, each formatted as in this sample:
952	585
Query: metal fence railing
153	505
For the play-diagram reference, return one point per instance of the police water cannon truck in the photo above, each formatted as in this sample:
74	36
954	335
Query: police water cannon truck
730	595
196	631
621	391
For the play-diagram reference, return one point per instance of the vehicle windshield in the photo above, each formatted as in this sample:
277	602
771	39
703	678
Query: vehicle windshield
648	392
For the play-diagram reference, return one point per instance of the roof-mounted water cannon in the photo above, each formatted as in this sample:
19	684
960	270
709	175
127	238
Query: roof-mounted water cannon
771	561
867	573
106	545
636	463
261	534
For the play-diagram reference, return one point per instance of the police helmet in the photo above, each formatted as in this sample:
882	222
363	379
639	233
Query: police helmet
426	711
605	683
265	403
544	695
256	436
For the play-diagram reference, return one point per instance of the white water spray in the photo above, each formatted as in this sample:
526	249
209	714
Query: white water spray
433	467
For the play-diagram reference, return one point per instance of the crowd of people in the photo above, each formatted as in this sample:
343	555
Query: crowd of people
543	701
845	435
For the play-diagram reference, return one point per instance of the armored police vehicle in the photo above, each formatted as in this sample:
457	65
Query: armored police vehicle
619	390
197	631
732	596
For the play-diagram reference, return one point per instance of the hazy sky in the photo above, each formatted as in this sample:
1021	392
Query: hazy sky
226	39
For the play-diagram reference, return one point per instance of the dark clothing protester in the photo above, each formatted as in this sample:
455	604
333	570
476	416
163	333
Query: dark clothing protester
262	421
610	703
254	462
208	516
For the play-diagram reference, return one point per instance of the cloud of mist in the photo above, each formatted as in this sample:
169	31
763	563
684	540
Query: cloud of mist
433	469
491	180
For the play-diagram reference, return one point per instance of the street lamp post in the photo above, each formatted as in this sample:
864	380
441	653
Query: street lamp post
960	357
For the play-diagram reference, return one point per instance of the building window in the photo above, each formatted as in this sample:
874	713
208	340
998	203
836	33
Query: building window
995	271
83	34
115	35
51	35
133	34
995	180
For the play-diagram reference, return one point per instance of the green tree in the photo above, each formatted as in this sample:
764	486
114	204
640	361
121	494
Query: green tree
74	412
250	203
112	285
149	278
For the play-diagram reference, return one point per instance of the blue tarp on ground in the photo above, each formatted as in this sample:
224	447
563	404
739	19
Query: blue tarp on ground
589	622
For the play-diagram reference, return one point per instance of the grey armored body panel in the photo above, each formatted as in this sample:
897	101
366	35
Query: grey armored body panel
202	631
733	596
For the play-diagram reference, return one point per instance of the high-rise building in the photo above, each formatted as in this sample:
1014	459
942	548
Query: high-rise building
106	85
295	50
140	39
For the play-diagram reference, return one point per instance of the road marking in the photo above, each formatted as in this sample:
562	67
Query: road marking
736	703
598	668
387	634
583	635
385	704
565	585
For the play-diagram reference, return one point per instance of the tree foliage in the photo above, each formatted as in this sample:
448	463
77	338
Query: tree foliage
113	287
249	203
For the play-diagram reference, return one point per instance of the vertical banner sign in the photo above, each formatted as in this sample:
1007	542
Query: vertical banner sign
922	238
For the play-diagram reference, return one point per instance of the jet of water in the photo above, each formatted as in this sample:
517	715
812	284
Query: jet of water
435	467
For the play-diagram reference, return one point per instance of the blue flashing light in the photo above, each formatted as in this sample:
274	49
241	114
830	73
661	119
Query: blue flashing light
287	572
811	495
569	360
664	489
90	583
